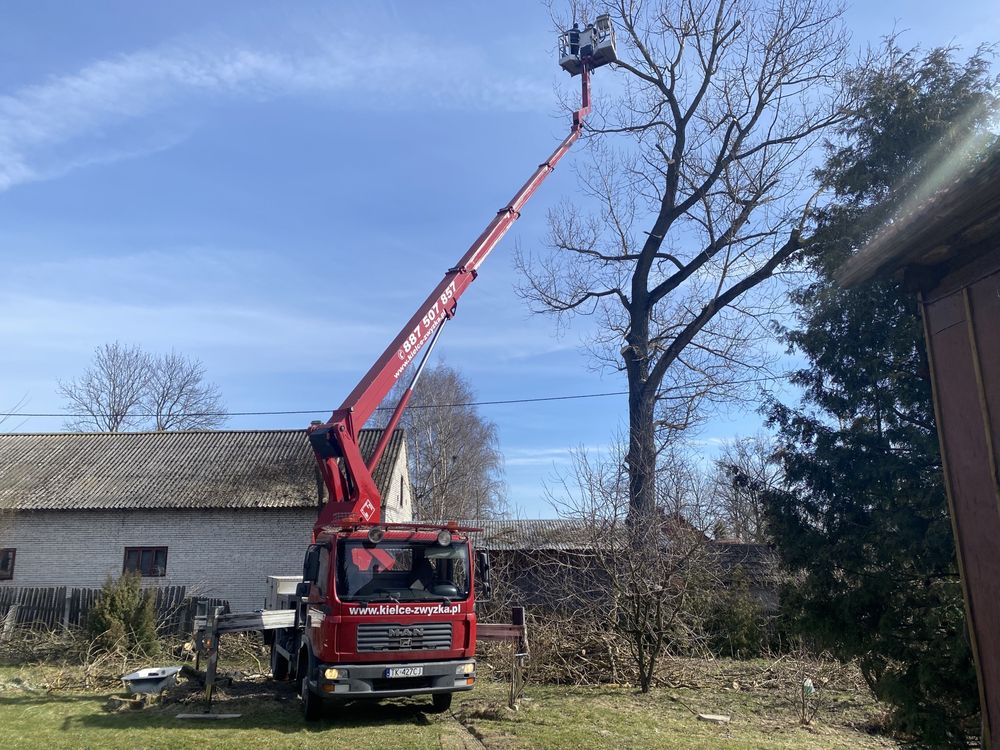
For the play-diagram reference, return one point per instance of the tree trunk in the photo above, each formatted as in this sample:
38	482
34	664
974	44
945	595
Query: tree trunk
641	454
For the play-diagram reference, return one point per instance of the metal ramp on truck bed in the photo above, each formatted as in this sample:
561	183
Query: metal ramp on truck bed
210	626
242	622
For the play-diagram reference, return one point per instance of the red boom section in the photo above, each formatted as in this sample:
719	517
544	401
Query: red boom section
353	496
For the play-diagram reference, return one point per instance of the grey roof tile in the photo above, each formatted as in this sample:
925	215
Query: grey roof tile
529	534
187	469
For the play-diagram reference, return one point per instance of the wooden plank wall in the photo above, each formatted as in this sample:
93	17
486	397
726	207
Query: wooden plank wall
960	318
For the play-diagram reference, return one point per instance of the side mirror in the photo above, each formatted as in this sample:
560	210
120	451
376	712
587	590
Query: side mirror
484	588
310	568
302	589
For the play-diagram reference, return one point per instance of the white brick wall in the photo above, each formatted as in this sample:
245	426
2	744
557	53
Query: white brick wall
223	553
397	505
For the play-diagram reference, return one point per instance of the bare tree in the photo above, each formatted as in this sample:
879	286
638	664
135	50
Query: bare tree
650	588
692	199
108	395
178	396
456	467
685	487
745	471
126	388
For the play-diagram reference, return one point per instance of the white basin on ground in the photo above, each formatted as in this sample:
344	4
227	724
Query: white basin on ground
151	679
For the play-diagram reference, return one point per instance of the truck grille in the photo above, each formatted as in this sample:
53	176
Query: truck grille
428	636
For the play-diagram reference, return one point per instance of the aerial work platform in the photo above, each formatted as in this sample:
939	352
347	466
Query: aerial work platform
593	45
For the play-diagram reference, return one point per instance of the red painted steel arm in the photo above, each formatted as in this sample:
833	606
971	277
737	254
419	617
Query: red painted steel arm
382	375
353	497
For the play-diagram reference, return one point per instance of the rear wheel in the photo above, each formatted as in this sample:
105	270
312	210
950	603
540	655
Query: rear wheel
279	664
441	702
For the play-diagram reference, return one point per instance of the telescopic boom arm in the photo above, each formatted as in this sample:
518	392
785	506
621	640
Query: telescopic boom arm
353	495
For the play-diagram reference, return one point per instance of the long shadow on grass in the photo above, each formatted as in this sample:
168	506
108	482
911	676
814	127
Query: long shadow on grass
25	700
261	713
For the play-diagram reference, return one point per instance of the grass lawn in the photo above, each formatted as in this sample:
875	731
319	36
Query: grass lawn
34	714
615	718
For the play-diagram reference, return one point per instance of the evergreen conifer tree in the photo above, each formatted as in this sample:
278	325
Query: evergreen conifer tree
863	515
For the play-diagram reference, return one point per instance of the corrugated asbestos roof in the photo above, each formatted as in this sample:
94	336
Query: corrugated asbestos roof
530	534
949	227
135	470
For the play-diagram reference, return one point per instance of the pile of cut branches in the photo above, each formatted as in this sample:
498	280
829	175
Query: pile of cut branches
72	658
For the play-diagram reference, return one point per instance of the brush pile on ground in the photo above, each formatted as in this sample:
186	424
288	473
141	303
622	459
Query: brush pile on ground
575	651
75	659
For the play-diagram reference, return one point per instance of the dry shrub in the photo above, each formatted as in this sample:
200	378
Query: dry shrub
246	653
73	659
563	651
575	651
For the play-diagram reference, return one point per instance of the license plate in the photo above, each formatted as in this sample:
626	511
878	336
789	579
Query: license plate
404	671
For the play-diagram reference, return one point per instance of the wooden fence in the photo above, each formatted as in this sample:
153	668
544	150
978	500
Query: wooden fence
62	607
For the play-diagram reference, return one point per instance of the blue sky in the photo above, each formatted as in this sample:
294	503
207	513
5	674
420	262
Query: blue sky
274	188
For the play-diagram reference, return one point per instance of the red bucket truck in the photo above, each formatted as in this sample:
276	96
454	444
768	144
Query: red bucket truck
387	610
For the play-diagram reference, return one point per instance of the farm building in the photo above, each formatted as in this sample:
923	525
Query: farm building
219	511
531	557
215	511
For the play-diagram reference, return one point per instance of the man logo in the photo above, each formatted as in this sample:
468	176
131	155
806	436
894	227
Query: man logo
405	642
406	632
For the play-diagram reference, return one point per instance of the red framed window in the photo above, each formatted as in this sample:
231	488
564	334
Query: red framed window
7	563
148	561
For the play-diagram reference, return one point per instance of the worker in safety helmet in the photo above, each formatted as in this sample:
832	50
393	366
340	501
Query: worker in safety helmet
574	40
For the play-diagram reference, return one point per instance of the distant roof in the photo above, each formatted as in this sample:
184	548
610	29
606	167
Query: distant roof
946	229
156	470
531	534
758	562
569	534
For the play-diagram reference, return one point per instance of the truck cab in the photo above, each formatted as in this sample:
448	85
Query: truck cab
381	612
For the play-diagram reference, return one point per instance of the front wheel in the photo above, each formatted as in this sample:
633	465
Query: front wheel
441	702
312	704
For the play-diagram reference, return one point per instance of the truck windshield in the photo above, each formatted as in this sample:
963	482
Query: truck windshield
402	571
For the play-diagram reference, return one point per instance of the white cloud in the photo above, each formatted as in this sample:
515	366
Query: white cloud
553	457
51	127
711	442
236	337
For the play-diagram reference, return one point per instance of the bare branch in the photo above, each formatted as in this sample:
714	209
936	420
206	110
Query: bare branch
108	395
455	464
697	177
178	397
126	389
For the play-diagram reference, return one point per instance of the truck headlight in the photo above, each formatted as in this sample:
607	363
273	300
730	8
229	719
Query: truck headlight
331	673
466	668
